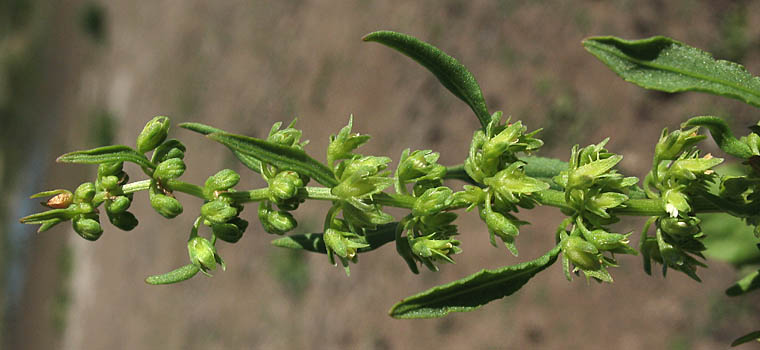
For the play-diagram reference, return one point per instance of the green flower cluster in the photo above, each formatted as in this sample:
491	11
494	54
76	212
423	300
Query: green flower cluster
504	186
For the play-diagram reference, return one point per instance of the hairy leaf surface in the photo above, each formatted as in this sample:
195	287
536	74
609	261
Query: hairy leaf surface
661	63
452	74
107	154
282	157
472	292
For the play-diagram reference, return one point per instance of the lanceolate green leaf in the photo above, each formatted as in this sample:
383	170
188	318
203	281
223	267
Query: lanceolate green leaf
664	64
722	135
452	74
178	275
746	338
472	292
314	242
250	162
282	157
107	154
745	285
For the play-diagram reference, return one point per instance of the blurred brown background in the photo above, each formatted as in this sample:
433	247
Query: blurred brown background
79	74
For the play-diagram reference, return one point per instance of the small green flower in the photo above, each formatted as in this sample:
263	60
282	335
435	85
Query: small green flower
84	193
284	186
87	226
218	211
433	201
512	182
203	254
169	169
153	134
117	205
275	221
124	220
343	244
344	143
223	180
169	207
670	146
230	231
289	136
419	165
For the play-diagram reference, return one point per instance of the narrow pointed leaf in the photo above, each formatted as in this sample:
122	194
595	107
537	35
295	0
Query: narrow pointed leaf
283	157
661	63
452	74
745	285
722	135
314	242
472	292
250	162
107	154
746	338
178	275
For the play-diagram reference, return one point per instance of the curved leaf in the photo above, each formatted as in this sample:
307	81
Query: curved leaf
745	285
664	64
472	292
746	338
722	135
452	74
107	154
250	162
177	275
282	157
314	242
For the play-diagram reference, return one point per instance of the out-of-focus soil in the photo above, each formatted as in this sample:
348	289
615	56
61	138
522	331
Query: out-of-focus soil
242	65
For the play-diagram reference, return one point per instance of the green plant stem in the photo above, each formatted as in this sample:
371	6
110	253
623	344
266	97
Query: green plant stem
552	198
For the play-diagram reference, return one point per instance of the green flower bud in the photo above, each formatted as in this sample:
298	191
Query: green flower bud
689	169
169	169
344	244
231	231
344	143
169	149
124	220
433	201
360	185
582	254
108	183
497	145
106	169
670	146
512	181
153	134
675	202
168	207
604	240
678	227
500	225
599	203
289	136
420	165
284	186
218	211
365	165
223	180
472	196
585	175
84	193
87	227
426	247
118	205
276	222
203	254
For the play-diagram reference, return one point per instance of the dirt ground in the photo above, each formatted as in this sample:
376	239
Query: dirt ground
243	65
